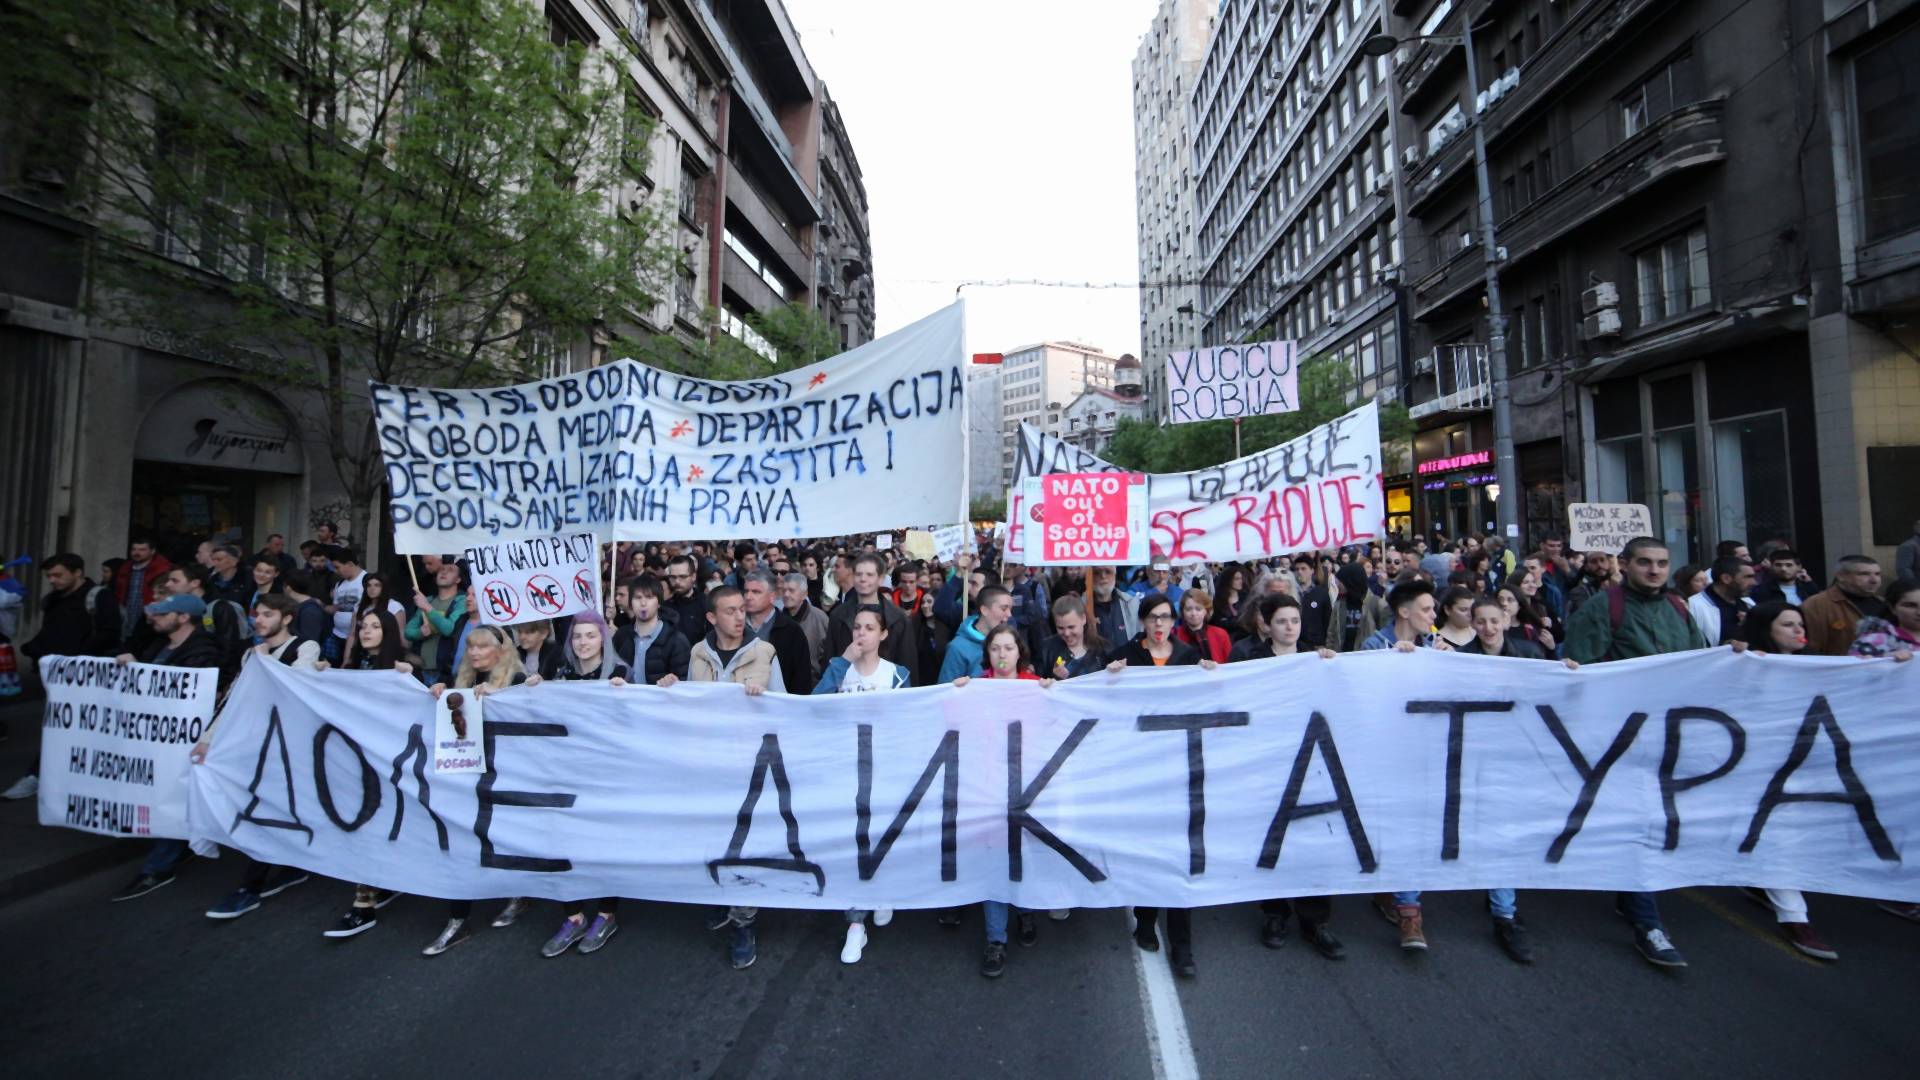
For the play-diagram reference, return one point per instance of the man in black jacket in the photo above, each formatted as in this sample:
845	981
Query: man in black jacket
685	596
650	645
1315	605
900	646
766	620
179	640
77	618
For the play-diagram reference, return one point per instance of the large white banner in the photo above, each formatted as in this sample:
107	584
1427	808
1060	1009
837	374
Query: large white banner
864	441
1319	491
1175	786
1228	382
114	744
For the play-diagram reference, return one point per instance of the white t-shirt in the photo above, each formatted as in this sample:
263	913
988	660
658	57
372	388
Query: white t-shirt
346	597
881	679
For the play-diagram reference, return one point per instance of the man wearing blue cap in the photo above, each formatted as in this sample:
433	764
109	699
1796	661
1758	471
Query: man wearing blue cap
179	641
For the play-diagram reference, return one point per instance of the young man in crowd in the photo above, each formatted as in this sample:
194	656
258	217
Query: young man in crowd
767	621
178	639
349	586
310	619
900	645
1719	608
1315	605
1638	617
1781	583
1596	576
727	654
1833	616
811	620
77	618
134	582
964	652
276	550
907	586
649	645
685	597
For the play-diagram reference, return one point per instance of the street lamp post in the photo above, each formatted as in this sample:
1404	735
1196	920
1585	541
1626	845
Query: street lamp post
1506	469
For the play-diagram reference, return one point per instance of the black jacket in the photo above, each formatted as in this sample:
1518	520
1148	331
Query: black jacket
790	648
666	655
1054	651
200	650
1316	607
1517	646
1255	649
69	628
1134	654
689	613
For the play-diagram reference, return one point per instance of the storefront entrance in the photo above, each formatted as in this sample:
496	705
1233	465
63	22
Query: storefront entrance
215	460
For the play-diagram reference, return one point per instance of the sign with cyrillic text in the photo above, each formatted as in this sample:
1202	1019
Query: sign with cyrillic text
546	577
950	540
1606	526
1320	491
1092	519
1232	381
115	742
862	442
1176	787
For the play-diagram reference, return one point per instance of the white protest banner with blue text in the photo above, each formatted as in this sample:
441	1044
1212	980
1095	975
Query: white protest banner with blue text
864	441
114	744
1319	491
1181	787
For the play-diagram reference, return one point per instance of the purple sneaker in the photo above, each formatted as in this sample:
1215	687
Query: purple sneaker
570	931
604	927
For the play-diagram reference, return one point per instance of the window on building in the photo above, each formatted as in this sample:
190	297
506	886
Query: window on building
1886	84
1666	89
1672	276
1752	479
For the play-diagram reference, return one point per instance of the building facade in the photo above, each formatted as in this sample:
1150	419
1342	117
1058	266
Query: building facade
1294	150
112	428
1165	70
844	274
985	432
1702	310
1037	381
1090	419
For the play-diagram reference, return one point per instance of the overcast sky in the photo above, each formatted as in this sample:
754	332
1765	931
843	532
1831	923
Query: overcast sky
996	141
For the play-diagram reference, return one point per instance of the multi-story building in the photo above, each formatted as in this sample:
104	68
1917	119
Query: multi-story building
1706	236
1164	72
736	158
844	277
985	431
1036	382
1293	158
1090	419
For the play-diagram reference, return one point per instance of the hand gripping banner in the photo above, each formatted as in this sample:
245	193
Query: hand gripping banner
1176	787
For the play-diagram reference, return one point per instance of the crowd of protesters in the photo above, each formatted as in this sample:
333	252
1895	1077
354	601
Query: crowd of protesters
859	614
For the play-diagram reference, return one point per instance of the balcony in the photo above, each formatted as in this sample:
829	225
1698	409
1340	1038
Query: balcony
1423	64
1588	30
1689	137
747	284
1463	269
1462	381
1437	170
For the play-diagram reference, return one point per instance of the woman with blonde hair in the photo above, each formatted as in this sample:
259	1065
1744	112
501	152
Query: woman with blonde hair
487	664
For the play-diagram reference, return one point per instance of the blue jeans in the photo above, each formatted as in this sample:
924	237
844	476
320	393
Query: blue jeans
1500	902
332	648
1642	909
165	855
997	915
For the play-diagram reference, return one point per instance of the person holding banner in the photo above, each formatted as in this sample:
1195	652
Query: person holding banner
861	670
1196	629
1074	649
1157	647
899	646
377	646
586	656
489	663
431	626
1280	622
651	649
179	641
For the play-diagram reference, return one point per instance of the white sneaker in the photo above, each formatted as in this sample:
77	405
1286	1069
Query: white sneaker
882	916
1059	914
24	788
856	943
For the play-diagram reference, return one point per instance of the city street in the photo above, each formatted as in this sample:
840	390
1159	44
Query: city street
99	989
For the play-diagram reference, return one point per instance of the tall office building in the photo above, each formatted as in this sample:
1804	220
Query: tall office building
1037	382
1164	74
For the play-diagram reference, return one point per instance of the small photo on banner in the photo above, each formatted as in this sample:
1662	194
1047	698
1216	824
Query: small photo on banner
458	737
546	577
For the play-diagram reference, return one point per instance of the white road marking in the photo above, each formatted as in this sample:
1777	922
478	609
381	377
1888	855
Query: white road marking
1167	1040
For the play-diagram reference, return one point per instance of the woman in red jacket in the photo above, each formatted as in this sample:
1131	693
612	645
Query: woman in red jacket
1213	642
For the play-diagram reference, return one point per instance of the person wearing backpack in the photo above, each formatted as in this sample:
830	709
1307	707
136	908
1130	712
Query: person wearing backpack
1638	617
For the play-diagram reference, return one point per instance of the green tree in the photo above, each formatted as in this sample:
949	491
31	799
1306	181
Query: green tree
1185	447
797	334
323	192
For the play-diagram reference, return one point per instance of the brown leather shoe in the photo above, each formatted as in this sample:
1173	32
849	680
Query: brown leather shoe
1412	934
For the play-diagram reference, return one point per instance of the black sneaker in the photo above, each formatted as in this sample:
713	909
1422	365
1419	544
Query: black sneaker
994	963
1146	937
1029	929
1513	938
383	897
142	885
356	920
1658	949
719	918
286	879
1183	964
1273	932
950	917
1322	940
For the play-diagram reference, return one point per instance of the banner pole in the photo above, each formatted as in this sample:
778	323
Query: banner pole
415	575
613	568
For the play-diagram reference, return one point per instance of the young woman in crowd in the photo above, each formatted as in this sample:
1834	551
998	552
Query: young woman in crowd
378	593
432	625
1525	582
1456	616
1232	600
1004	653
1523	619
1157	647
587	655
1075	647
539	653
376	646
859	670
1692	579
1196	608
489	663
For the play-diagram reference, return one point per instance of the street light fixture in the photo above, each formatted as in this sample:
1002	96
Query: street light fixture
1505	467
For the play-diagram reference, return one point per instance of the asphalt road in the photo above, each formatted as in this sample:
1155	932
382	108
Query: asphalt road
99	989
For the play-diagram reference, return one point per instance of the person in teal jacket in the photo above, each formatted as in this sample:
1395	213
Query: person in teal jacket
964	653
430	629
